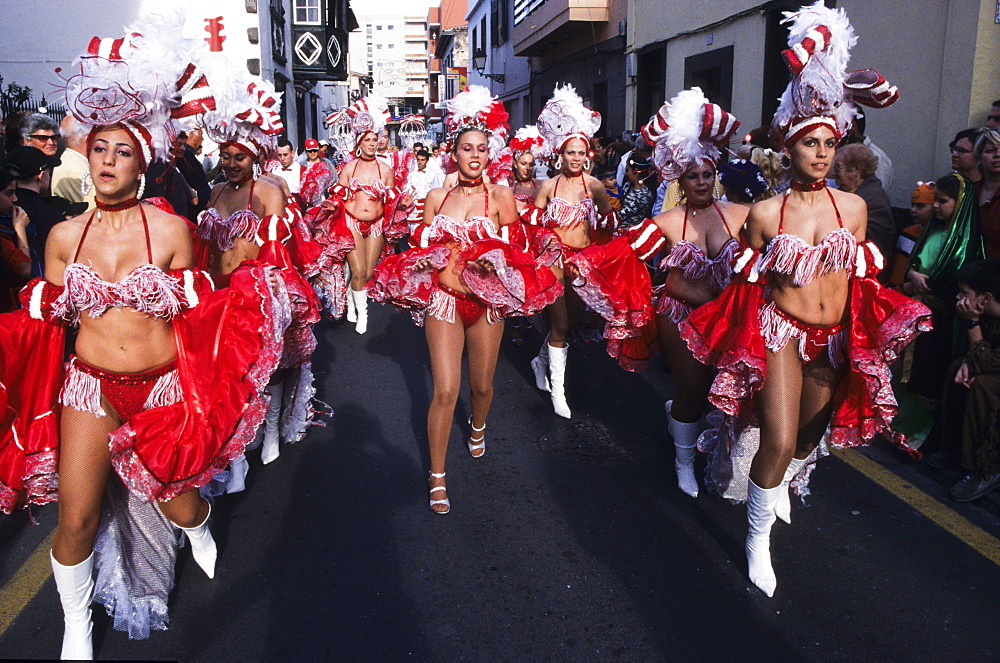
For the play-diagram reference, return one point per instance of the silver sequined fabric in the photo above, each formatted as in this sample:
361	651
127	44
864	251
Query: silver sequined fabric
134	554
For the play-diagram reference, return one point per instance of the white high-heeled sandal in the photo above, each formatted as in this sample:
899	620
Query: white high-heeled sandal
445	501
473	448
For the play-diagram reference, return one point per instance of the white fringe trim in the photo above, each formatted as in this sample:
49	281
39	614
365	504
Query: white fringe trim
81	391
442	306
166	391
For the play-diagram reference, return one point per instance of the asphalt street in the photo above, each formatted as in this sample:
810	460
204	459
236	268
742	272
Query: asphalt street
568	541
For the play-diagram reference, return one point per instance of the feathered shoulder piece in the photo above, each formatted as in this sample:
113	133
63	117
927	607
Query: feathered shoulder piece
822	91
528	139
686	130
565	116
476	108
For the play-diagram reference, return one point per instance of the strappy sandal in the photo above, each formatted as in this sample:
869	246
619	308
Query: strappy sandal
481	446
434	502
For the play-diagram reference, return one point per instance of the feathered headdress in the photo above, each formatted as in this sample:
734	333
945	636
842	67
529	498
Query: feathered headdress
528	139
822	92
686	130
368	114
248	110
476	108
142	81
565	116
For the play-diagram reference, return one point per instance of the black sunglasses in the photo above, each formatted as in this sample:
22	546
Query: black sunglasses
42	137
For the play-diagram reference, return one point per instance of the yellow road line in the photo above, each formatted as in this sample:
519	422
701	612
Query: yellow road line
15	595
943	516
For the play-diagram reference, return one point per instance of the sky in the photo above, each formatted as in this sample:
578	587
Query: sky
412	7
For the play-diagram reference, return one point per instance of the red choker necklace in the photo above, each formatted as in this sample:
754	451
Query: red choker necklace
696	207
811	186
117	207
526	179
580	174
470	183
364	158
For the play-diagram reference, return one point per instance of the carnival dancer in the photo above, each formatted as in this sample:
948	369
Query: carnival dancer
701	236
363	202
145	392
250	219
527	146
469	271
803	336
607	276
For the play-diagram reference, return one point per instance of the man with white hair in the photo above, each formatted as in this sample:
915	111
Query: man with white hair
68	177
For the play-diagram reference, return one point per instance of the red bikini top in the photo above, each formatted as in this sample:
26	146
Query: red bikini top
560	213
244	223
791	255
444	229
695	264
147	289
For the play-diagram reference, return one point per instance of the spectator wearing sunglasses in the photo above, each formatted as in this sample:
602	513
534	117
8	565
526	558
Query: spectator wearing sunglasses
963	157
41	131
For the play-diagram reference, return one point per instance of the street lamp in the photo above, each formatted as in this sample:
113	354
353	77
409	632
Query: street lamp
479	63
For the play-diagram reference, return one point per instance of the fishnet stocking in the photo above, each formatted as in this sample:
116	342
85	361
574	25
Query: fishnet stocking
692	379
563	311
363	259
84	468
795	404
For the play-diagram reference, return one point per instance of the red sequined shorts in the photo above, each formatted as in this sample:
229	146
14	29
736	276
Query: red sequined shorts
373	228
127	393
778	328
447	302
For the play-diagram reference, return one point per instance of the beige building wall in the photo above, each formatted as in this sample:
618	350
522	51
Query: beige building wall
943	54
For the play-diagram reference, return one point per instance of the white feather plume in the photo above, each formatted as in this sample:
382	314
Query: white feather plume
819	89
565	114
680	146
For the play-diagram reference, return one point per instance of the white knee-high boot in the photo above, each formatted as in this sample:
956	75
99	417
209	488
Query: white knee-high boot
361	304
352	311
272	419
760	517
557	379
76	590
203	547
685	444
783	509
540	367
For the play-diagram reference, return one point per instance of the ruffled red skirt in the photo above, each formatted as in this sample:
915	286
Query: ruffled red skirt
336	241
615	283
726	333
228	347
516	285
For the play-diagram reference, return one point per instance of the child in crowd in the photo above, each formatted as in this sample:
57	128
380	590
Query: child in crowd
921	211
607	177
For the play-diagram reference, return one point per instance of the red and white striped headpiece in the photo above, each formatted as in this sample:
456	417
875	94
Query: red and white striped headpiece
687	130
822	92
194	94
